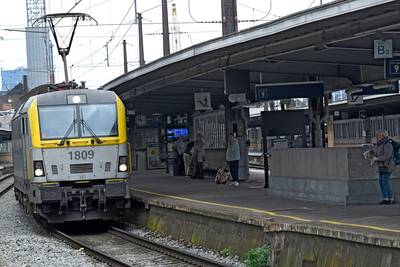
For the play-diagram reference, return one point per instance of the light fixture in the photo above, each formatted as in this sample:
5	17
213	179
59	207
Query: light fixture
122	164
38	168
76	99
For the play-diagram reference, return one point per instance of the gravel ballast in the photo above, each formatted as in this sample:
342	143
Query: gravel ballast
24	242
183	245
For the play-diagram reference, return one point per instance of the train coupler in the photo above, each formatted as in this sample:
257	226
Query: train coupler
83	205
63	202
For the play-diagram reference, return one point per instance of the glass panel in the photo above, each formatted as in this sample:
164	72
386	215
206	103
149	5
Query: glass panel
55	121
101	119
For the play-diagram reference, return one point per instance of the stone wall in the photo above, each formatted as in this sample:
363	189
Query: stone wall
331	175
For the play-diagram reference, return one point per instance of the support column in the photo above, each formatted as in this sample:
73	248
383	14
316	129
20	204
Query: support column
229	16
165	25
141	49
318	107
125	57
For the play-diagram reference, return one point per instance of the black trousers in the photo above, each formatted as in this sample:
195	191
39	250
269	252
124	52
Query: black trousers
234	169
198	169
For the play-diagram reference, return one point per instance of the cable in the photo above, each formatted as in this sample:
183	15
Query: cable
96	5
218	21
92	54
154	7
313	1
268	13
258	10
111	37
119	26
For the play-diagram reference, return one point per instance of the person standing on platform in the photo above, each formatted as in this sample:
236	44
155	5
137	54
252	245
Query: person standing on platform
180	148
198	157
383	158
187	157
233	157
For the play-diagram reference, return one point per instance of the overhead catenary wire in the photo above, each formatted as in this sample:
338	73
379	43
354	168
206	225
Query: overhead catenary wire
110	39
218	21
310	5
258	10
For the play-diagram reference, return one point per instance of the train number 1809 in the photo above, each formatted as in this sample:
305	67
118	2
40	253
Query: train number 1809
78	155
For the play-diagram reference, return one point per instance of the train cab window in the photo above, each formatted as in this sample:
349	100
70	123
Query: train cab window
100	118
56	120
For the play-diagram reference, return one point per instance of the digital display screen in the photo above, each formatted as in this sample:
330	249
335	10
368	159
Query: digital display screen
178	132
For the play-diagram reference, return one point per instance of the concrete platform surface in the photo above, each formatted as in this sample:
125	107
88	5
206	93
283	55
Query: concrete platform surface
250	203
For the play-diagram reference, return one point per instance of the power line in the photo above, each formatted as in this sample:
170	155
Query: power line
258	10
154	7
266	15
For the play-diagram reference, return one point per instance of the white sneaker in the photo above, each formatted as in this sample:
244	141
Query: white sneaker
235	183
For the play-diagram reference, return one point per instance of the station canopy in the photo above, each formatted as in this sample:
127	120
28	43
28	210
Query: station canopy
333	43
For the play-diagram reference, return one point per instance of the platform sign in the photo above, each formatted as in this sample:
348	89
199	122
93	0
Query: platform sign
353	98
279	91
202	101
392	68
383	49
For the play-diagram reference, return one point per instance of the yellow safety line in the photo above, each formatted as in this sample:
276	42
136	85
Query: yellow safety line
224	205
361	226
274	214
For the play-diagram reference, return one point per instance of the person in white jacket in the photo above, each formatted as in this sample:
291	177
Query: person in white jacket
233	157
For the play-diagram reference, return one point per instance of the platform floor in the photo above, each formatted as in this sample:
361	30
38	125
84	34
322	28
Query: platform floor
378	224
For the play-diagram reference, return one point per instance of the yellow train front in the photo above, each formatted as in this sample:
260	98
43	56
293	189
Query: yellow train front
71	157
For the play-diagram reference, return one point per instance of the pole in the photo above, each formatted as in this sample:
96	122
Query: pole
125	57
266	168
108	58
229	16
141	49
136	12
166	144
320	2
165	27
64	58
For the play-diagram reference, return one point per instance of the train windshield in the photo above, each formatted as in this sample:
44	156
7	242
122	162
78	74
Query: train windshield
56	120
75	121
101	119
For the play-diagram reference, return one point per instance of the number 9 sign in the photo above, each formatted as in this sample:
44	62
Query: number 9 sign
393	69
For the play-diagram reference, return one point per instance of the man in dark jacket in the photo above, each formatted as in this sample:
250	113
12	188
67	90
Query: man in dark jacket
384	161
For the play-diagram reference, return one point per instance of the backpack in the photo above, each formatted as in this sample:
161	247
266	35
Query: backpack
222	176
396	151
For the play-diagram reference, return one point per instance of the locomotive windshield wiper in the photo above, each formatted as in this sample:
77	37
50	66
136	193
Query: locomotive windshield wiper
91	131
67	133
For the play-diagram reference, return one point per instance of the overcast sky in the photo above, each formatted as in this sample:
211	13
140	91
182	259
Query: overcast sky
87	59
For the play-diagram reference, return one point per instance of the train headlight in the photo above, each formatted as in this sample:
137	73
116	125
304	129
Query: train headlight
123	164
38	169
76	99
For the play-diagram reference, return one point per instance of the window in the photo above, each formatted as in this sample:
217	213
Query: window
101	119
57	121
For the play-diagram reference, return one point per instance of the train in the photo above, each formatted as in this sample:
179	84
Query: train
71	156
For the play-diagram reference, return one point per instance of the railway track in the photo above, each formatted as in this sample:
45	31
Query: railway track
6	183
117	247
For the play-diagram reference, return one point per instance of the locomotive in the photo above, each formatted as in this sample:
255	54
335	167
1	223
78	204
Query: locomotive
71	156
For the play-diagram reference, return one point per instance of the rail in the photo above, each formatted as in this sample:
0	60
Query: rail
3	180
183	257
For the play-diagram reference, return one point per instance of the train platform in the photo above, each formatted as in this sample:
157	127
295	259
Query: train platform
250	203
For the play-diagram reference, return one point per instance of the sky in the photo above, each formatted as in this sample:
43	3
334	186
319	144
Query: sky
87	60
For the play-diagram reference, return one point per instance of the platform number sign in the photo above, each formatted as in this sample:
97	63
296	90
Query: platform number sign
202	101
383	49
392	68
